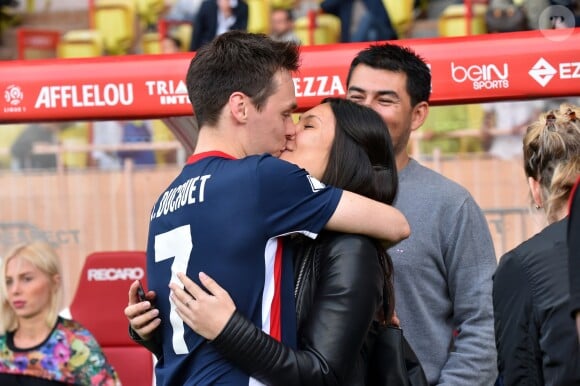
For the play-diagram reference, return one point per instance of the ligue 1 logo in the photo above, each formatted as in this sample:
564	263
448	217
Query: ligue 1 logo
13	95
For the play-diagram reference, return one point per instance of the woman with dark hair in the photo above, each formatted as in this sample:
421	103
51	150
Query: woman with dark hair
339	277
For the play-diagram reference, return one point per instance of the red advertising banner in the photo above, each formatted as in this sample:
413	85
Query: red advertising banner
521	65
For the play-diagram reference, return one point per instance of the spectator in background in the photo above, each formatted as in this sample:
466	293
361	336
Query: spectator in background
22	150
38	347
114	133
510	16
505	16
343	9
137	132
9	3
107	133
8	17
282	25
504	124
216	17
574	253
536	340
443	270
183	10
170	45
375	24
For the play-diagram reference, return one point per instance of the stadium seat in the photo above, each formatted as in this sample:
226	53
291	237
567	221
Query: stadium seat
332	25
183	31
453	22
151	43
36	43
98	304
475	115
401	15
75	134
31	6
327	30
80	44
8	134
454	129
285	4
161	133
115	19
149	11
258	16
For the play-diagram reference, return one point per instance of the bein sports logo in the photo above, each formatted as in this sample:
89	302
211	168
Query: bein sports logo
484	76
13	95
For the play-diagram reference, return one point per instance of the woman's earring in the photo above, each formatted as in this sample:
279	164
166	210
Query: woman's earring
538	206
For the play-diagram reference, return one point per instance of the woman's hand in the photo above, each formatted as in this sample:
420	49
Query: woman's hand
143	317
395	320
207	313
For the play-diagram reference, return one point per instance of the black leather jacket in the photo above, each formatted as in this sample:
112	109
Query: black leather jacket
536	339
339	285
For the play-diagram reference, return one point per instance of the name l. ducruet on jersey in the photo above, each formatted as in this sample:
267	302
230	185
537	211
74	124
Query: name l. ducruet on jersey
190	192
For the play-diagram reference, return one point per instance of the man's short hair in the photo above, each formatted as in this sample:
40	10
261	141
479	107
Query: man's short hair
236	61
395	58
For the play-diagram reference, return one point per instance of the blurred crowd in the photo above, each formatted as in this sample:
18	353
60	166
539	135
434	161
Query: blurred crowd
172	26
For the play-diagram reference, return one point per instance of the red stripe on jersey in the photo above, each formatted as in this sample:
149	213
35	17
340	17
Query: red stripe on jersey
275	312
196	157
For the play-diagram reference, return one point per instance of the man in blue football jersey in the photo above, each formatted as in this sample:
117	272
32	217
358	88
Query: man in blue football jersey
225	212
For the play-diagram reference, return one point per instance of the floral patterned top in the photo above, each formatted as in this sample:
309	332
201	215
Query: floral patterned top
70	355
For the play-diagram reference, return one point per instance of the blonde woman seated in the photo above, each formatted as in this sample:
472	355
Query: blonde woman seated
38	347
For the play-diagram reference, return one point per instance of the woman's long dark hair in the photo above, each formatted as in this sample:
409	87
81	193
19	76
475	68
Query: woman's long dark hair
362	161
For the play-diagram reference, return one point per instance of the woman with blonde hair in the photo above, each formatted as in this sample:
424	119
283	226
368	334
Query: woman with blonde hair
37	346
536	338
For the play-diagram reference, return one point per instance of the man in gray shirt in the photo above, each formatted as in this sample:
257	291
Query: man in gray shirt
443	272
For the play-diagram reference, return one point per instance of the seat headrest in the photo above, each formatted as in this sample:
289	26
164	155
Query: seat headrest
102	294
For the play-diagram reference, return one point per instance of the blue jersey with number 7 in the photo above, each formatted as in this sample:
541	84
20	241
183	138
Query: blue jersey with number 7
225	217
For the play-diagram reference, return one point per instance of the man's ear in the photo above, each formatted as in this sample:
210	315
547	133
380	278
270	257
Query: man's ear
419	114
238	104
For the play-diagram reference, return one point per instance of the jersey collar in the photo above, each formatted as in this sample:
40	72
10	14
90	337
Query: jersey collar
196	157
